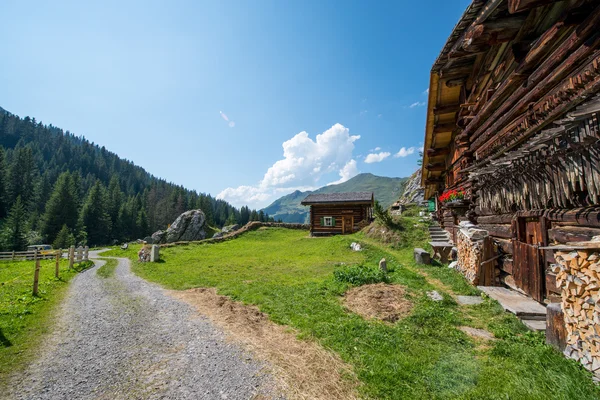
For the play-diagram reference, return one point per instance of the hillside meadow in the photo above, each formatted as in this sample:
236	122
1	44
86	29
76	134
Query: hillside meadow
424	355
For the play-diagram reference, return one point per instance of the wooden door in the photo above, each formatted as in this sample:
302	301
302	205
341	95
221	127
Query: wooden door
528	267
347	224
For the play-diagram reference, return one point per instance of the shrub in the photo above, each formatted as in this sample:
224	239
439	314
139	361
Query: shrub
360	275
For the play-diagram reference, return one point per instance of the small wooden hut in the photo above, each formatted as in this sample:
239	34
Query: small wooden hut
338	213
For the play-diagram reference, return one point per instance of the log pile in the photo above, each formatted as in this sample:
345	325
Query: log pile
474	256
578	276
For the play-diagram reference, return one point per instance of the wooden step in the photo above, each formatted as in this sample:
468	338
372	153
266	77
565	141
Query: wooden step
516	303
535	324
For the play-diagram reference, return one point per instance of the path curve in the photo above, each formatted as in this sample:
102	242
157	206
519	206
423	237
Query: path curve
124	338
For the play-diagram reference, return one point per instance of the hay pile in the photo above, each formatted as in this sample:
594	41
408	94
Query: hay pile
378	301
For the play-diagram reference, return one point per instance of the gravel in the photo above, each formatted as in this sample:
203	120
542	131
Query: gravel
124	338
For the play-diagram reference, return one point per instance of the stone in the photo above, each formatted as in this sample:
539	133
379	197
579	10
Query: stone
230	228
435	296
189	226
469	300
355	246
477	333
155	253
148	240
421	256
218	235
383	265
453	265
159	237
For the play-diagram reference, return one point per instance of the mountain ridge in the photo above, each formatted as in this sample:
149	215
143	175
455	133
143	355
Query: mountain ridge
386	189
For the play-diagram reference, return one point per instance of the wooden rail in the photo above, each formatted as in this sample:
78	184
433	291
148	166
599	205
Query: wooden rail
74	255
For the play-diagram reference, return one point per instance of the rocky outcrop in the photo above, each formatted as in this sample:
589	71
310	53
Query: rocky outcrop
189	226
413	192
230	228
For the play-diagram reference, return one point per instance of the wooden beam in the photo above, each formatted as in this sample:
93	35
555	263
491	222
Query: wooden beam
441	128
481	37
446	109
438	152
517	6
505	96
456	82
436	167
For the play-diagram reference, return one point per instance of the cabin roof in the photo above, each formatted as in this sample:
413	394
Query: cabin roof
338	198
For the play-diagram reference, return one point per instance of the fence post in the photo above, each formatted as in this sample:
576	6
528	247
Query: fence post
36	274
13	255
86	253
71	256
56	268
79	254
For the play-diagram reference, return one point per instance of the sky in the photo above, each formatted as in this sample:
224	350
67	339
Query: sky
245	100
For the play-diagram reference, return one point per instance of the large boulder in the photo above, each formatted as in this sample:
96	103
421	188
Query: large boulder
189	226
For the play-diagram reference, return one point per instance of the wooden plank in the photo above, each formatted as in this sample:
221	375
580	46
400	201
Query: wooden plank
517	6
516	303
551	283
501	231
567	234
506	265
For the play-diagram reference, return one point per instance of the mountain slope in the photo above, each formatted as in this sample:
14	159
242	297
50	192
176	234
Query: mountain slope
386	190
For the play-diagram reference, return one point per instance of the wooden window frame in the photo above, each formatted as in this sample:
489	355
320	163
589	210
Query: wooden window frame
330	222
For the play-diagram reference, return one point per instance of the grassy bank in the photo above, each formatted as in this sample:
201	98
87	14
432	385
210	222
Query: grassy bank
423	356
24	318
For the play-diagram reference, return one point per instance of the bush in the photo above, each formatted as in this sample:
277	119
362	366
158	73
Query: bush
360	275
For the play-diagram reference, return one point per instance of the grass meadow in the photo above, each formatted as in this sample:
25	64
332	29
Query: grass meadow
290	277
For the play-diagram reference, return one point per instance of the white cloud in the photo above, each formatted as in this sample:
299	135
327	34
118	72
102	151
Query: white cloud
348	172
403	152
375	149
304	162
426	91
417	104
377	157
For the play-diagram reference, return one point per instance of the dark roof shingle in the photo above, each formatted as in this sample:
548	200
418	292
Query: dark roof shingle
348	197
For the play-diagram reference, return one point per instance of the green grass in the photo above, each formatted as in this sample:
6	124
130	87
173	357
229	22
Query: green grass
108	269
424	356
24	318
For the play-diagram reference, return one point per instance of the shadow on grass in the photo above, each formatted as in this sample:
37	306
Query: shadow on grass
4	340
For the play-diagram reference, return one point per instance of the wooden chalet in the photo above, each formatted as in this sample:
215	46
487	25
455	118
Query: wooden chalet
339	213
513	122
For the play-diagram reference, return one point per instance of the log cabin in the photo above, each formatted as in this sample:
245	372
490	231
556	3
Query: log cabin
513	132
339	213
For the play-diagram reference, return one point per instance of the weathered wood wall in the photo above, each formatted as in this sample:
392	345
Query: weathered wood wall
360	212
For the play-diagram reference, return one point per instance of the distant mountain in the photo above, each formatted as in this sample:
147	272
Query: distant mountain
386	190
3	111
413	192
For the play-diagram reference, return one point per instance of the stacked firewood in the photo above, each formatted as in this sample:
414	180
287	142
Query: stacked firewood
578	276
469	257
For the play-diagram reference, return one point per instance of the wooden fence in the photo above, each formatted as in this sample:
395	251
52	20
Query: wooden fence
73	255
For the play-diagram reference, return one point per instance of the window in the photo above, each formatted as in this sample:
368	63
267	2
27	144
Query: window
327	221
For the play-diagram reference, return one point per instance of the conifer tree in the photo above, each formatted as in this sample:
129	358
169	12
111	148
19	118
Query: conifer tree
3	194
15	229
21	177
95	217
142	223
64	239
61	208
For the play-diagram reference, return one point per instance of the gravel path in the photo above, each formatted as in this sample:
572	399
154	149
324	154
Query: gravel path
124	338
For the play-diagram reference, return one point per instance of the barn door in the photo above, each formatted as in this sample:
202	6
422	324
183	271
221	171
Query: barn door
529	271
347	224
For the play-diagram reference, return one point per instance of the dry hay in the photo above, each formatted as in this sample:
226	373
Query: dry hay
378	301
305	370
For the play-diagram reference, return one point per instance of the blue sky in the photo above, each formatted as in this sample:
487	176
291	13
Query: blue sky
229	97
